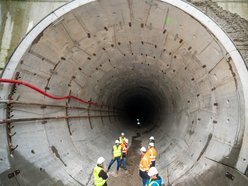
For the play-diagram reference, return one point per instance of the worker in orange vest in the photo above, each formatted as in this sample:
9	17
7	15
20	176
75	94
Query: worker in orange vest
144	165
124	153
152	153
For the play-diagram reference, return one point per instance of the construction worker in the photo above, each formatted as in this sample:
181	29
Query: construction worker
122	138
152	153
144	165
116	156
124	153
151	139
100	176
155	179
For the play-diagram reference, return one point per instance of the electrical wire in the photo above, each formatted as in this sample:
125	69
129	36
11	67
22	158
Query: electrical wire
3	80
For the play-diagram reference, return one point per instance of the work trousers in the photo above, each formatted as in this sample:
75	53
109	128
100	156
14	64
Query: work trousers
118	159
124	160
144	176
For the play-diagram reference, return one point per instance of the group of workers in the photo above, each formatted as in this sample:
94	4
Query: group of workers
119	153
147	170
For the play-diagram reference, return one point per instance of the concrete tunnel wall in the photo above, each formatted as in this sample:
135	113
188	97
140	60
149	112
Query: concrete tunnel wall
97	50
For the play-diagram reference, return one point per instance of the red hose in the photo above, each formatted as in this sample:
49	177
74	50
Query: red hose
44	93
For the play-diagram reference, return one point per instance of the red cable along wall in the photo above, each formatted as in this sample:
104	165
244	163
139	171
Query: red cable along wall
3	80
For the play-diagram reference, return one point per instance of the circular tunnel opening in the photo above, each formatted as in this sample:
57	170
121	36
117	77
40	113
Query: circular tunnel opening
139	107
142	65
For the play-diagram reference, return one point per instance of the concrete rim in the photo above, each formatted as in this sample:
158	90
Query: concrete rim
180	4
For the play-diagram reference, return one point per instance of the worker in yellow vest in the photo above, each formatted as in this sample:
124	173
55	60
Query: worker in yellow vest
100	176
144	165
152	153
122	138
116	156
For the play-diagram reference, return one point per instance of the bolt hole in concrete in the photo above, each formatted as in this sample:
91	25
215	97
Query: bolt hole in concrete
185	107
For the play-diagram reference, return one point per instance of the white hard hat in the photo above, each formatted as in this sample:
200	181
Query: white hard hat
143	149
152	171
122	134
100	160
151	144
151	138
117	141
126	140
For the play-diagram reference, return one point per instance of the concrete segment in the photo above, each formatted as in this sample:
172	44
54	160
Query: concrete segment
108	51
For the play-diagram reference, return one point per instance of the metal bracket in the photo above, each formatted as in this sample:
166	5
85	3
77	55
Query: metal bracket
13	174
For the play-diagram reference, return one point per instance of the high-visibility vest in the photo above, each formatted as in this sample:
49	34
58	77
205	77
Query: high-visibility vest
145	163
150	182
152	153
117	151
98	181
122	139
124	148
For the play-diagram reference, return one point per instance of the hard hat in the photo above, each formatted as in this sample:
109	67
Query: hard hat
151	138
152	171
122	134
126	140
143	149
117	141
100	160
151	144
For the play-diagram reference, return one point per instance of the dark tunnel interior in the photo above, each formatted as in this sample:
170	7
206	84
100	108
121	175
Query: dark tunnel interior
139	106
139	61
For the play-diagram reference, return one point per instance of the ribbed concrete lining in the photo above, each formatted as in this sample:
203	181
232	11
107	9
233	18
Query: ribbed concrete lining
104	50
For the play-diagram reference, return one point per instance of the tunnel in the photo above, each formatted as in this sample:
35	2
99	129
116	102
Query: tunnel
163	63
